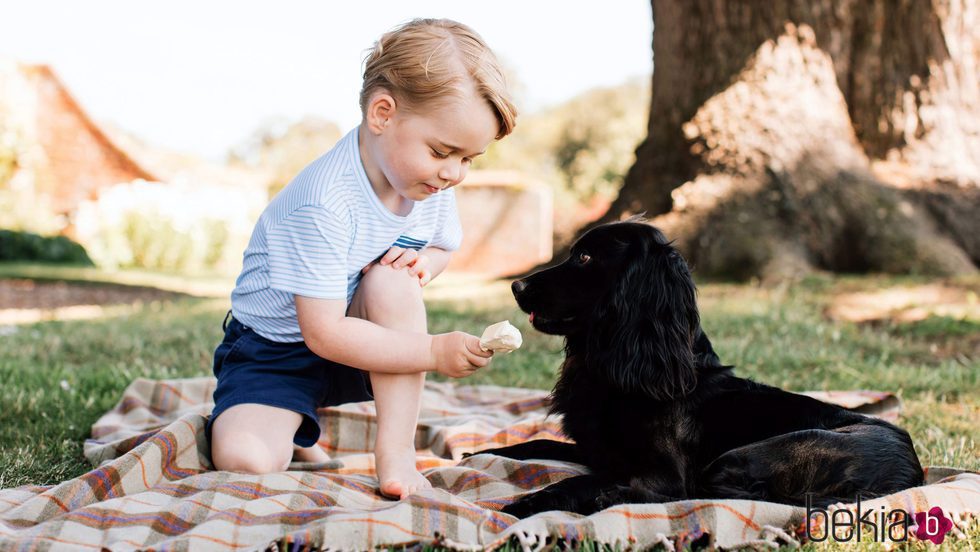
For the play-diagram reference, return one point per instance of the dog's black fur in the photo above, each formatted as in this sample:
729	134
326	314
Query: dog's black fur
656	417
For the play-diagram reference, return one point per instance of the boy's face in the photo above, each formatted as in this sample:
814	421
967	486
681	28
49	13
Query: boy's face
425	152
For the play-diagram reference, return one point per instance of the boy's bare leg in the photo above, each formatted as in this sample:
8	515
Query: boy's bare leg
310	454
253	438
256	438
393	299
397	398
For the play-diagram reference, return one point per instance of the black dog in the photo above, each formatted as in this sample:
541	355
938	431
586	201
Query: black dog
656	417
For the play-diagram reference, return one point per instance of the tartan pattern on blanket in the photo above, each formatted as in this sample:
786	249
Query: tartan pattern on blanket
154	486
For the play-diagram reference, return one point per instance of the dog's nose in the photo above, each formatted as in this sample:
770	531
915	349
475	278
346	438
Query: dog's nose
518	286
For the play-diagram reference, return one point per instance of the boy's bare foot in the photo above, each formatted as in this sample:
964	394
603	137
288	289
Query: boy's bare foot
310	454
397	475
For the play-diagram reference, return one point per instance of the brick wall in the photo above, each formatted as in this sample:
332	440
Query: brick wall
507	223
76	158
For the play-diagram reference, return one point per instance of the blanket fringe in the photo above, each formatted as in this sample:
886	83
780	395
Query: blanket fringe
664	540
531	542
453	545
962	522
772	538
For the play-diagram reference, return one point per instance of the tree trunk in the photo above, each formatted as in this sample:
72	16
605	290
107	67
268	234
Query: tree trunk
793	135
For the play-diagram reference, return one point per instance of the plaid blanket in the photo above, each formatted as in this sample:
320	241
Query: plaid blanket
154	486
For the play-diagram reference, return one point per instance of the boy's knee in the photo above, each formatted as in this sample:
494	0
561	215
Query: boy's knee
251	458
384	285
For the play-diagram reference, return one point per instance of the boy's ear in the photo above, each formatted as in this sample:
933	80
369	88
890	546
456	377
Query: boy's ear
380	109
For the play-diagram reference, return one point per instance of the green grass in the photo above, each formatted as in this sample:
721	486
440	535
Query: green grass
59	377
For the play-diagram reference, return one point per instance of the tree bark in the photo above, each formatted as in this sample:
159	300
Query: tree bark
793	135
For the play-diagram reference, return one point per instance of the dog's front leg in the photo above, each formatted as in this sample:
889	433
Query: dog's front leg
662	485
583	494
537	449
568	495
665	483
614	495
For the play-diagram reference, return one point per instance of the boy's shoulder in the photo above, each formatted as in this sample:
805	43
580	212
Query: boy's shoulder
328	179
338	164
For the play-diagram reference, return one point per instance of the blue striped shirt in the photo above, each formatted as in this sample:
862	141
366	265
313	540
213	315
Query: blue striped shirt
317	234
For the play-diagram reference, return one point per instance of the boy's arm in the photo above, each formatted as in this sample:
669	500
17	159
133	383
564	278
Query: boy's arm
438	259
331	334
425	264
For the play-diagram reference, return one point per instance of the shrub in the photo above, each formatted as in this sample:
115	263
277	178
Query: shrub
173	227
27	246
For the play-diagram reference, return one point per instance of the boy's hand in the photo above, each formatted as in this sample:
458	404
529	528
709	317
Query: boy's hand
458	354
400	258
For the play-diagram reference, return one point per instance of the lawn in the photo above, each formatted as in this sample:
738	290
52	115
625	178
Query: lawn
58	377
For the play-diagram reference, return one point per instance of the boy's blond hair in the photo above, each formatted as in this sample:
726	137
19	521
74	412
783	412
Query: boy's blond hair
424	60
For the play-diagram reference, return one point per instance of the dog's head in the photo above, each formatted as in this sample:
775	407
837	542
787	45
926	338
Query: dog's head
626	301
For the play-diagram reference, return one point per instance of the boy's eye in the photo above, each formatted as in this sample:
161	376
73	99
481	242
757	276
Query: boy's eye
439	154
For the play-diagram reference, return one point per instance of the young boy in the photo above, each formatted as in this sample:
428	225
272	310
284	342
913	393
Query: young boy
328	307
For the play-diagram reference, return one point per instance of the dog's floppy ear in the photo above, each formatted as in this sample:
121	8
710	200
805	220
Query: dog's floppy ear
644	333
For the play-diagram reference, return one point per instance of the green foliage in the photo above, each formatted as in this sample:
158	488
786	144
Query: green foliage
156	244
26	246
217	236
583	147
169	227
282	150
153	241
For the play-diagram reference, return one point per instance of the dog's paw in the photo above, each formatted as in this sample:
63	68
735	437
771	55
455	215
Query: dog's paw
494	451
623	494
603	500
477	453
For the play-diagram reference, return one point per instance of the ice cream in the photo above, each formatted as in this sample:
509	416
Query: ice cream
501	338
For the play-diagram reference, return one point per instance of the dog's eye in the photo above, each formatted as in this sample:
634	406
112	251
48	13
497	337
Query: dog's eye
583	258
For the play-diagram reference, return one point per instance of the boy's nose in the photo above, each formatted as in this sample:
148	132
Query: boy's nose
451	173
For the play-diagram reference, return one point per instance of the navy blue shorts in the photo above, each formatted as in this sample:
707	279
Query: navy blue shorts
253	369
